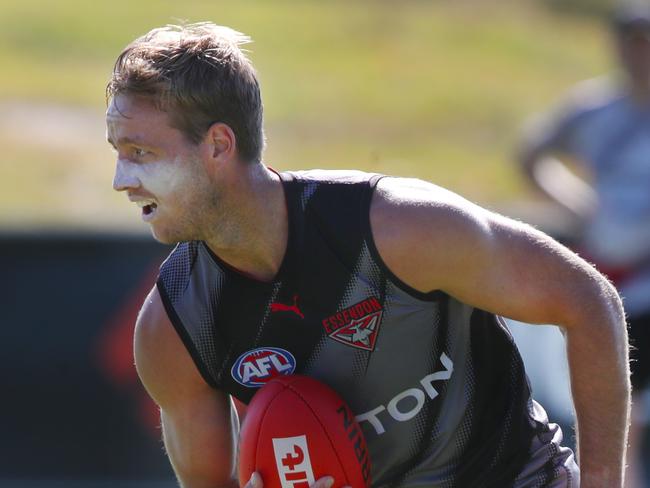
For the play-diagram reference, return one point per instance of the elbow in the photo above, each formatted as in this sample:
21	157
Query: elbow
591	304
526	159
599	315
613	304
529	151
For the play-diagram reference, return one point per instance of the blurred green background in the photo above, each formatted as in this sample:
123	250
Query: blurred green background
435	89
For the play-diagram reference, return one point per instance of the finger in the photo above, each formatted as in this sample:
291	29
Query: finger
255	481
325	482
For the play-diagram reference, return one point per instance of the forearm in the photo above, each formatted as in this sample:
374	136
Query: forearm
201	455
190	475
598	360
187	481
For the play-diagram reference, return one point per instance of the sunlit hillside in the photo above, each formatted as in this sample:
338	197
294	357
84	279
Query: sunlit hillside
437	90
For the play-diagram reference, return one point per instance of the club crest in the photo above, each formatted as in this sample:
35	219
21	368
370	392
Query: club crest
356	326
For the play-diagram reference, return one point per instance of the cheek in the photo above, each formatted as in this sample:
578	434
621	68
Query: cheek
164	178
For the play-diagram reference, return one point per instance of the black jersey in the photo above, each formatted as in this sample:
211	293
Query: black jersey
438	387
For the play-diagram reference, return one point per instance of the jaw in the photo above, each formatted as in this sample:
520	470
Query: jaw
187	221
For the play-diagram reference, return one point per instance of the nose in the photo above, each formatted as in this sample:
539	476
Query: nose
124	178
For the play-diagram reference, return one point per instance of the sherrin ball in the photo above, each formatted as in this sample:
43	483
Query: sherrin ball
297	430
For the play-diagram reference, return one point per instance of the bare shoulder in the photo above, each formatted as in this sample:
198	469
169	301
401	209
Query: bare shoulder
415	199
418	228
433	239
163	363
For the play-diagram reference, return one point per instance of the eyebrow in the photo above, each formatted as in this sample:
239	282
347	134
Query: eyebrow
126	140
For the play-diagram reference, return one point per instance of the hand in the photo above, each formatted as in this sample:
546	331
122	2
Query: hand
325	482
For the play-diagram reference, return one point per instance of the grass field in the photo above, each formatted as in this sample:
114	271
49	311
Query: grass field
431	89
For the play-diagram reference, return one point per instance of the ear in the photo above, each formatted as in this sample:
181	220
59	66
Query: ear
220	143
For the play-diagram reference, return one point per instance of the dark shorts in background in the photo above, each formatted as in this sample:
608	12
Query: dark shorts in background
639	331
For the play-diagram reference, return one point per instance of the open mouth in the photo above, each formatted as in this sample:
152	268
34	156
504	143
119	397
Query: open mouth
148	207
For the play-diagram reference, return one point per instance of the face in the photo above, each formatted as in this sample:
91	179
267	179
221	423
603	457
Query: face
158	169
634	51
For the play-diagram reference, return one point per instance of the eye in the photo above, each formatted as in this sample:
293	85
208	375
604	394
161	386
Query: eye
138	152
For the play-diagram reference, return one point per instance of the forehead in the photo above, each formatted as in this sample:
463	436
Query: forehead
134	117
131	107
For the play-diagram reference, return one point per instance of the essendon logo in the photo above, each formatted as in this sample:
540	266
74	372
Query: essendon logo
356	326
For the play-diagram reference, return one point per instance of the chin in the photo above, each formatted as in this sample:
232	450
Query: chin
167	237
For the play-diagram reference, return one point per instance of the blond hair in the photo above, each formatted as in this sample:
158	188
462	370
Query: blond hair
199	74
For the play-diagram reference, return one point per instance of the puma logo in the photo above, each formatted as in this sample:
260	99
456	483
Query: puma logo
282	307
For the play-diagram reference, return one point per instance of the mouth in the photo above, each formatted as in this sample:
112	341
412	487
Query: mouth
149	208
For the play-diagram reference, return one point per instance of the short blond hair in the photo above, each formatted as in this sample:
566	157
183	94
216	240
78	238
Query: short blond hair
199	74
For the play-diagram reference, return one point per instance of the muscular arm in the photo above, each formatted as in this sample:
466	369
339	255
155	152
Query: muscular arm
433	239
199	425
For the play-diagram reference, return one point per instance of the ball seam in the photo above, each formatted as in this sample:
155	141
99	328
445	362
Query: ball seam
289	386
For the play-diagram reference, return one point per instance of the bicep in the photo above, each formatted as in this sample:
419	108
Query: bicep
435	240
199	423
513	270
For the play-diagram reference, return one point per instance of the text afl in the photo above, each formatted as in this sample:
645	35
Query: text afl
257	367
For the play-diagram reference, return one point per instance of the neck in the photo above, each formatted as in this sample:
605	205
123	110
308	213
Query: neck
251	231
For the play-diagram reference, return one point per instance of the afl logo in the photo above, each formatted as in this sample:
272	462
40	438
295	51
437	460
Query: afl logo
257	367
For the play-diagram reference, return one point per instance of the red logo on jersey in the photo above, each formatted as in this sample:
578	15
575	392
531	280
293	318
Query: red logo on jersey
282	307
356	326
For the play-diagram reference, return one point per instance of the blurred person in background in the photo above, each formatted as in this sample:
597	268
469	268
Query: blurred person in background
592	156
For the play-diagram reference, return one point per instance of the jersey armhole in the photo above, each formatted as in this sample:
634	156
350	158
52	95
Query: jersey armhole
184	335
432	296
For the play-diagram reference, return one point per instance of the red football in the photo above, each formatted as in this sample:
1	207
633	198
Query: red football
298	430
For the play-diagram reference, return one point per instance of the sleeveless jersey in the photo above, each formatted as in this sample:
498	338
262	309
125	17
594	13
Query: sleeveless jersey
437	386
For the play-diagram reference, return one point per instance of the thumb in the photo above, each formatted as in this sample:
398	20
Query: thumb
255	481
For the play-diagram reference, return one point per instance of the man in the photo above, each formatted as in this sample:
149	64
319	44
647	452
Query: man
603	127
291	265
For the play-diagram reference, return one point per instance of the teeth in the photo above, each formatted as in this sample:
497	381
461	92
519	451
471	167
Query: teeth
143	203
